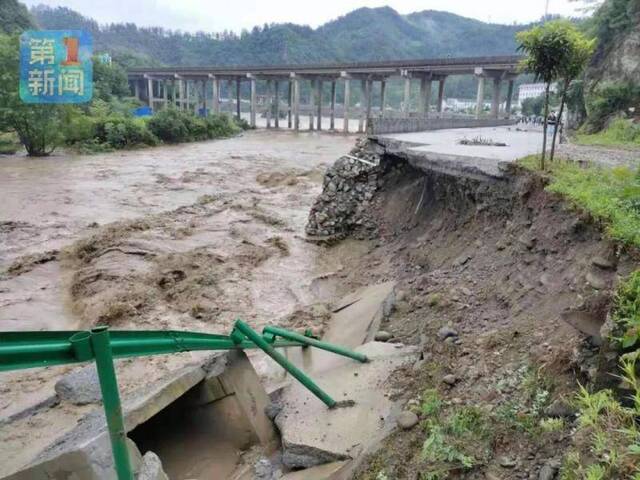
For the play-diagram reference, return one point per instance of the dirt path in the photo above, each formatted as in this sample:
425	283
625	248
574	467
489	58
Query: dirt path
610	157
185	237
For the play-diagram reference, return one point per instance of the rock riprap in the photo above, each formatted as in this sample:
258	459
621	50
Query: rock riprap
348	189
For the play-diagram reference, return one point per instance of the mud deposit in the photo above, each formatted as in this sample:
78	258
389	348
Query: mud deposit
188	237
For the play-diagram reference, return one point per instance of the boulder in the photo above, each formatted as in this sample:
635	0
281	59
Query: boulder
407	420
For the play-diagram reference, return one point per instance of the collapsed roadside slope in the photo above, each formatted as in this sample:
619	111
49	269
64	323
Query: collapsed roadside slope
486	272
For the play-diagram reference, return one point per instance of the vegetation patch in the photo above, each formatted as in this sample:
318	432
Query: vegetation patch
610	195
621	132
607	437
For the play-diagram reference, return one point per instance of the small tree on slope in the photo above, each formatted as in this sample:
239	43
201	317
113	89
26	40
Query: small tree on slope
581	49
548	51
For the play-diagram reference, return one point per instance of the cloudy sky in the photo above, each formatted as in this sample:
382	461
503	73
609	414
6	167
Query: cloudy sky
217	15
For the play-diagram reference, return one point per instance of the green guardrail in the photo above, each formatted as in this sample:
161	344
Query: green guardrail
20	350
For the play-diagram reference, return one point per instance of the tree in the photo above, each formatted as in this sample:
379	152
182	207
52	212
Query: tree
548	50
533	106
581	49
109	80
14	17
38	127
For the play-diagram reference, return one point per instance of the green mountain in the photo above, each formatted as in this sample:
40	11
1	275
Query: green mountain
14	17
364	34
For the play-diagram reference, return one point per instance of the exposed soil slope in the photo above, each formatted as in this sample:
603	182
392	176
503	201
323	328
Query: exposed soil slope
485	272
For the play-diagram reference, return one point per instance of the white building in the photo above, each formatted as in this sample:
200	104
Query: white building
532	90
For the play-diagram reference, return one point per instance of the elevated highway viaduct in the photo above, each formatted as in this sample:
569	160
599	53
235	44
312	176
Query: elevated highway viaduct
199	88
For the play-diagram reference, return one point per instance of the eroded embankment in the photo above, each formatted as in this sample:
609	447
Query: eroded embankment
486	271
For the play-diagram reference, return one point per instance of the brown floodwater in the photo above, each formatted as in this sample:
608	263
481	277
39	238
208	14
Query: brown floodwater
264	183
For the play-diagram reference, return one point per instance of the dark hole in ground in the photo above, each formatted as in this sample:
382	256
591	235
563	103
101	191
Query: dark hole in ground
196	440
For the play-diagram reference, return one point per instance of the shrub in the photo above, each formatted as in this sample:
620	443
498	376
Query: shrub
175	126
609	99
222	125
123	132
170	125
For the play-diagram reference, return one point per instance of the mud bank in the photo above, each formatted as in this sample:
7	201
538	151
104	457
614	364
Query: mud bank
486	270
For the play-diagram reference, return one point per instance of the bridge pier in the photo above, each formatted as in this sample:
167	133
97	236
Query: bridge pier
296	104
289	103
252	114
425	94
312	102
347	99
495	100
363	97
407	94
276	120
269	102
150	92
332	118
215	94
238	99
368	91
319	100
480	96
383	88
509	98
441	83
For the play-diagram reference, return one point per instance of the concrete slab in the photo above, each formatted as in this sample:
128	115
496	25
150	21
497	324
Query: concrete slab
355	320
441	151
313	435
328	471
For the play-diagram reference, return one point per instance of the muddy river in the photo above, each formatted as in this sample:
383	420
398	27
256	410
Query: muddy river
185	237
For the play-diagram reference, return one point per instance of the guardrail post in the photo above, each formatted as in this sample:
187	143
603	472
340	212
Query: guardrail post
111	401
298	374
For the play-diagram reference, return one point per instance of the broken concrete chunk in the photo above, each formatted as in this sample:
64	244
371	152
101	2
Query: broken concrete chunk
151	468
80	386
313	435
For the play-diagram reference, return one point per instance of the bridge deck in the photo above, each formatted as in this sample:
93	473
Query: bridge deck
437	66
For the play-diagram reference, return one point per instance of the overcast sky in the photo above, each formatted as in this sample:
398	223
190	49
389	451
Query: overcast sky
217	15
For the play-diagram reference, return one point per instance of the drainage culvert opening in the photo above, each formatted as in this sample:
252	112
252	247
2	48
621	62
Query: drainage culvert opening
203	434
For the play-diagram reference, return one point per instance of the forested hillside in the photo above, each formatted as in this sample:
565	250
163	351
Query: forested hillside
364	34
14	17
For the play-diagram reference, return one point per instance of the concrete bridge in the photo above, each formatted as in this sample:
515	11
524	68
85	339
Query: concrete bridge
200	87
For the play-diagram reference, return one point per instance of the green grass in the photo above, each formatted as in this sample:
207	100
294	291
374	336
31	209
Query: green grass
607	437
626	310
457	439
610	195
621	133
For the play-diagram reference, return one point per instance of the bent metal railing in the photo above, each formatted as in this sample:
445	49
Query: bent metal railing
19	350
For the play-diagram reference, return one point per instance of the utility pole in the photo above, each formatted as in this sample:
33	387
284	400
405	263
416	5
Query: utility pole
546	10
